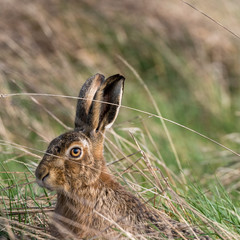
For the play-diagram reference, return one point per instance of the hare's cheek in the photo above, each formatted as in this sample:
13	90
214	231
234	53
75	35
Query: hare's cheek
59	163
55	181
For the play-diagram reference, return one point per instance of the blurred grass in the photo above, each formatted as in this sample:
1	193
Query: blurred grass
189	64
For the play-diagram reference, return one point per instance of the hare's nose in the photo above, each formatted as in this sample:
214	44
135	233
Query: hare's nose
45	176
42	173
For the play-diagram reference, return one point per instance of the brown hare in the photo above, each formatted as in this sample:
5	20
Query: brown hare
90	202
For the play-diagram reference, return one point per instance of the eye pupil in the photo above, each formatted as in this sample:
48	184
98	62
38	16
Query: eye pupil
75	150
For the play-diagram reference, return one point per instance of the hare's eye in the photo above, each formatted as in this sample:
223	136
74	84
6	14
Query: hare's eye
75	152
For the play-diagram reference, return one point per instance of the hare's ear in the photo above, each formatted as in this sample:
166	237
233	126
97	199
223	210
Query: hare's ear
106	104
86	95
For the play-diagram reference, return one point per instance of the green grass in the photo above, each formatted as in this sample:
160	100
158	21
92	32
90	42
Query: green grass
189	65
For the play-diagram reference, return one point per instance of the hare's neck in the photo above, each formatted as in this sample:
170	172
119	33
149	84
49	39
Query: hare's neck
75	207
85	198
106	180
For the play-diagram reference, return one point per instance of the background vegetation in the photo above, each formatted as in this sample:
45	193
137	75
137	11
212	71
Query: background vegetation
188	63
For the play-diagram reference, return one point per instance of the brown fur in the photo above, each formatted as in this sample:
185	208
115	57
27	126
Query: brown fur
90	201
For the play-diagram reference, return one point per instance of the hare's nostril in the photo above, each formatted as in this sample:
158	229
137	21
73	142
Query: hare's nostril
45	176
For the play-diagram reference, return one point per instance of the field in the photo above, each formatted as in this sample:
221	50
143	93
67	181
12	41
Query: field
177	135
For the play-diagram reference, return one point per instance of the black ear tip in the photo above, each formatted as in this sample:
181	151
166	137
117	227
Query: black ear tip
119	77
114	79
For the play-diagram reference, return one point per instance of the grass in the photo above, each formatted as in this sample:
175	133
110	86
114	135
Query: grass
186	71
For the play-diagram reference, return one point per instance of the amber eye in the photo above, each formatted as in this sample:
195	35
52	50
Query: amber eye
75	152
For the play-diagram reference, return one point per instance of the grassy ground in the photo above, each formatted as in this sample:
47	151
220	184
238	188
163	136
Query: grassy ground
178	64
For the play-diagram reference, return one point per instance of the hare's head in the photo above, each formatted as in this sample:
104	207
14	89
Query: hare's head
75	159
